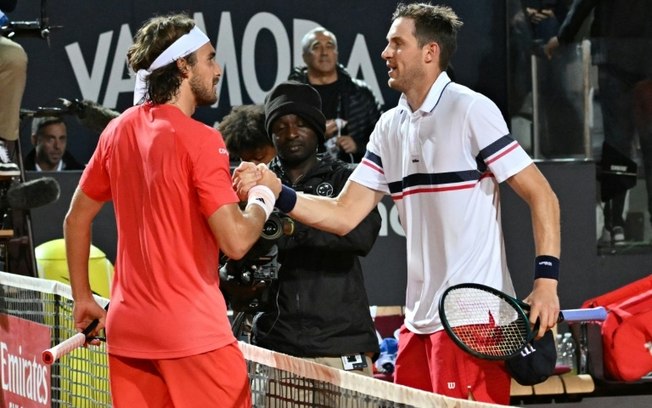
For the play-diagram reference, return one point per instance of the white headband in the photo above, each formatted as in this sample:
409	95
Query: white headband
184	45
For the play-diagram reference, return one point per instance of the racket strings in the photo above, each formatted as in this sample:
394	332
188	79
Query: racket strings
485	323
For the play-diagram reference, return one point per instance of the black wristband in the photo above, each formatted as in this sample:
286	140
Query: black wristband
286	200
546	266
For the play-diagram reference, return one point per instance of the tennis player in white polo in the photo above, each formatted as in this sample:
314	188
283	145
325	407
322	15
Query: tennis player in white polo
441	154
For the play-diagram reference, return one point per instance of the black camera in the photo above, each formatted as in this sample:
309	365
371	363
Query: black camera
245	281
276	226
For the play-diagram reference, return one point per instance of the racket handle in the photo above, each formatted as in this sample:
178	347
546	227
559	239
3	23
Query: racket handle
51	355
578	315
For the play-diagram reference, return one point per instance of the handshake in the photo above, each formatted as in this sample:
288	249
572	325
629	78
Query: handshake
259	186
248	175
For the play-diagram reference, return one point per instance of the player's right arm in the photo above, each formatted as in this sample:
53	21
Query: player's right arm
236	230
77	235
338	215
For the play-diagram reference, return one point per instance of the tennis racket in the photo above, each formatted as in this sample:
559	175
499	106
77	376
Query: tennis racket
492	325
52	354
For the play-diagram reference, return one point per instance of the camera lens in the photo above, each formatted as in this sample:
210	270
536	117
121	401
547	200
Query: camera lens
273	228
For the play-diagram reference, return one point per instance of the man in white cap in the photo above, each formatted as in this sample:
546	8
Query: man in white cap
168	336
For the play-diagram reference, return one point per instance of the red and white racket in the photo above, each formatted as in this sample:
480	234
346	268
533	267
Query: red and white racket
52	354
492	325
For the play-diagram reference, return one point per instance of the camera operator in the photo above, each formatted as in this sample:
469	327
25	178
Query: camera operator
245	282
245	135
321	311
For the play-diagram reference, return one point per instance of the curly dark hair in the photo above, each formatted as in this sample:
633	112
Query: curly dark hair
157	34
244	129
437	24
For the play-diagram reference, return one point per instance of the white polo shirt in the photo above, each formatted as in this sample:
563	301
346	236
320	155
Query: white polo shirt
442	164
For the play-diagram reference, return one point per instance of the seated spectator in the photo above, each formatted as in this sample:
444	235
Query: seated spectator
13	75
49	137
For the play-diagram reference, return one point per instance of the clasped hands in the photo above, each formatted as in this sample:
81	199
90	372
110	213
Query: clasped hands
248	174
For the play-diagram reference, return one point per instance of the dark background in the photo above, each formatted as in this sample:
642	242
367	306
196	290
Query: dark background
480	63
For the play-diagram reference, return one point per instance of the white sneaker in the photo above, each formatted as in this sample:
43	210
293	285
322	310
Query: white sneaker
618	234
7	167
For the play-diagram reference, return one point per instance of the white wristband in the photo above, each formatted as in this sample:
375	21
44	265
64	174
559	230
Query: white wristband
262	196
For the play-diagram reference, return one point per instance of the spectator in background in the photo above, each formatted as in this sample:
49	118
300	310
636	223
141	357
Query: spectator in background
544	17
350	107
13	75
559	127
245	136
50	137
621	46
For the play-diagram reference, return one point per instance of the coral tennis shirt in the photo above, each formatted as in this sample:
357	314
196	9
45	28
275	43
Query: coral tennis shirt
166	174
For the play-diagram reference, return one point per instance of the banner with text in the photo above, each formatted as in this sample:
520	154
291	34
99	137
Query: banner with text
25	379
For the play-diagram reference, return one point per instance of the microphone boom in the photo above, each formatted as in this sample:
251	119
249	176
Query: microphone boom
31	194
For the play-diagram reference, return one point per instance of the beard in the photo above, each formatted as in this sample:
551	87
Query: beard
409	78
51	159
203	95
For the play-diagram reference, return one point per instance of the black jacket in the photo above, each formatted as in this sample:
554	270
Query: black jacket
323	309
69	162
7	5
358	106
621	32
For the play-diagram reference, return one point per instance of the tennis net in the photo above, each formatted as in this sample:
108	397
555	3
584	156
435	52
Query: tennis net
80	379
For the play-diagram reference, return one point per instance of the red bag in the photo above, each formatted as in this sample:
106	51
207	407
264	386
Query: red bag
627	330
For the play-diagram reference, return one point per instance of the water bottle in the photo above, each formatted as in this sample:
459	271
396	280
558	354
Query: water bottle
583	350
568	352
558	344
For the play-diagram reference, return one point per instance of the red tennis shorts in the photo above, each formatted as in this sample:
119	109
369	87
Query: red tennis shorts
432	362
214	379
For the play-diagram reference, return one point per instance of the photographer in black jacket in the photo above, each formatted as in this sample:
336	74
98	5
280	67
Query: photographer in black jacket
321	307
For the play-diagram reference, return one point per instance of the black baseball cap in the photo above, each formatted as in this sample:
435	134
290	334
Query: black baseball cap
536	362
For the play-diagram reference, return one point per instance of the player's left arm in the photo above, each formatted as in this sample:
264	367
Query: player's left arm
535	190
